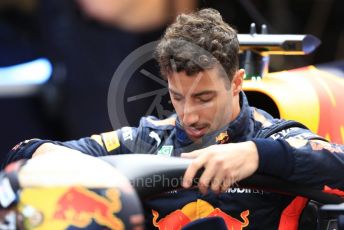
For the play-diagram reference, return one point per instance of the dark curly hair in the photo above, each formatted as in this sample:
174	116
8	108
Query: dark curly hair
196	42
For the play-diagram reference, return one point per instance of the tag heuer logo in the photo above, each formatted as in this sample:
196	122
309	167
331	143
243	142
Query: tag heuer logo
166	150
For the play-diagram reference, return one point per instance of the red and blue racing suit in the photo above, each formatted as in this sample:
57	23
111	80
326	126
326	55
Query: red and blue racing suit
287	150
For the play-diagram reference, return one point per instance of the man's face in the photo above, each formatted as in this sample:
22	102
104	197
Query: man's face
206	101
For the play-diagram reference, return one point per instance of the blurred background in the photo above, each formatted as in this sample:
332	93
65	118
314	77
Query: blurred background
57	57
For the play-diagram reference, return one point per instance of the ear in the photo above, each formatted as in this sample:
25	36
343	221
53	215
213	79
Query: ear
237	81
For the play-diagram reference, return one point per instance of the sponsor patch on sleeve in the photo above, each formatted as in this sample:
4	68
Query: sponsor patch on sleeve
127	134
22	144
98	139
296	142
110	140
318	145
16	146
7	195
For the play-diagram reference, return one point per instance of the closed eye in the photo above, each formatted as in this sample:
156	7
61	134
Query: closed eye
177	98
205	98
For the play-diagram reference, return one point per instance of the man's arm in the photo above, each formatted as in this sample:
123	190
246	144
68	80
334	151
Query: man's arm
31	148
312	162
120	141
97	145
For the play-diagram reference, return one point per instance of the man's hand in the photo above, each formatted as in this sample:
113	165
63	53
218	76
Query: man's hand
223	165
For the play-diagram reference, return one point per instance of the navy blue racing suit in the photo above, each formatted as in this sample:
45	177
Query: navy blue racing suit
286	149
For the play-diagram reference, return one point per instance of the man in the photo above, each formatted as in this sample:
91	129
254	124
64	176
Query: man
214	124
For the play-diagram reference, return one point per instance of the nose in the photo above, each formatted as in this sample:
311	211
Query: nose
190	115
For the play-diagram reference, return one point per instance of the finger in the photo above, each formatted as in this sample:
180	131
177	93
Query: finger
226	184
191	171
192	154
217	182
229	182
206	178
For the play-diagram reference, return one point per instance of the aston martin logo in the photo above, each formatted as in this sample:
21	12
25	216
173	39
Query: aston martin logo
166	150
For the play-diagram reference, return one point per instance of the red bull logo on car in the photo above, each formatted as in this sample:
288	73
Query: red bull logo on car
80	206
75	206
196	210
309	95
330	93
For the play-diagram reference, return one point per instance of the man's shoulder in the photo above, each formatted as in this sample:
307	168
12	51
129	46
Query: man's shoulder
159	124
262	117
279	128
